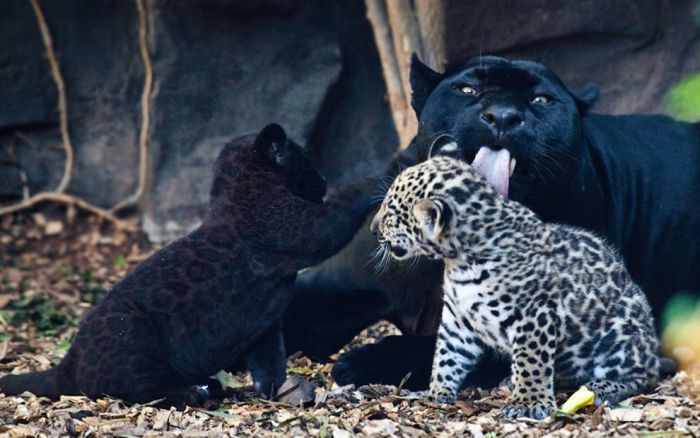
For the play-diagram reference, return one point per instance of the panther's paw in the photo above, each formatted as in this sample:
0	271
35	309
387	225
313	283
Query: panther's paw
538	410
507	382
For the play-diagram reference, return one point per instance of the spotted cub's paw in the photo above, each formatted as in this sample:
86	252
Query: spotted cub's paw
441	396
524	408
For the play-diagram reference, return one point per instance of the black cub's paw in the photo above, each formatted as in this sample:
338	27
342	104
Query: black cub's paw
268	385
194	396
538	410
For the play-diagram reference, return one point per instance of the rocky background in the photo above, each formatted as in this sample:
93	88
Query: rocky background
224	68
221	69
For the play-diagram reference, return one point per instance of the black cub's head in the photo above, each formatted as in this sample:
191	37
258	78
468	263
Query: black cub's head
514	121
290	160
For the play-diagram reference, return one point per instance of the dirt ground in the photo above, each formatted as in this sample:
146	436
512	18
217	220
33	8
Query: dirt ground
52	272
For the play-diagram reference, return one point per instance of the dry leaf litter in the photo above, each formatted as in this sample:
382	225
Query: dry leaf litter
53	271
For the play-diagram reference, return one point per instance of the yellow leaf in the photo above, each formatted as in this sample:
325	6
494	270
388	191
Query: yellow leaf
582	397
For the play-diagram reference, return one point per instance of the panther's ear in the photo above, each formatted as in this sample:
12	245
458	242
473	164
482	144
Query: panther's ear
445	145
586	96
431	216
423	81
272	143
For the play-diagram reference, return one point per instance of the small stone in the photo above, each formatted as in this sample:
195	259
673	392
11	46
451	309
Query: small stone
380	427
626	414
341	433
39	219
297	391
53	227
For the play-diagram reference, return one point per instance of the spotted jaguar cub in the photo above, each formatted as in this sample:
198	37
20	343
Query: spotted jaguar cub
556	299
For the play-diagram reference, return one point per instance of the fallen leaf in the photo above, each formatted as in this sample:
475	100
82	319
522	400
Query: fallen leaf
227	380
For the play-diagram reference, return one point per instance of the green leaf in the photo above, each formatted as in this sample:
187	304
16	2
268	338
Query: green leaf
120	262
227	380
217	414
324	432
402	383
680	307
62	348
683	101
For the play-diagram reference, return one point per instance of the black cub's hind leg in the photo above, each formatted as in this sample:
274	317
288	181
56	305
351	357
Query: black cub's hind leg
267	362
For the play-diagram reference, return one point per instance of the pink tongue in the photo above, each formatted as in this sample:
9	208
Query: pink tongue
494	166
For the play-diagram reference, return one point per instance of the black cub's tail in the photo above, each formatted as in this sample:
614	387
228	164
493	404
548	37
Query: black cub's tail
43	383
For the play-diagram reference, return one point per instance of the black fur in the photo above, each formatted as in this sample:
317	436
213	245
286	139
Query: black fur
214	299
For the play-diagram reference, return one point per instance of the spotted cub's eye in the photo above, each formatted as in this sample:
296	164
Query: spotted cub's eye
541	99
467	89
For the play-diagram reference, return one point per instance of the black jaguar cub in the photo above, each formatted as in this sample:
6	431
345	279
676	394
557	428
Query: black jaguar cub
214	299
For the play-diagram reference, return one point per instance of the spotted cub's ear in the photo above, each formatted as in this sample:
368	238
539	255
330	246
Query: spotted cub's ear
432	217
272	143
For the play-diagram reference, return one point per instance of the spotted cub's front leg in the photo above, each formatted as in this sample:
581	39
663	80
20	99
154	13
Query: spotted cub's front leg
534	345
456	353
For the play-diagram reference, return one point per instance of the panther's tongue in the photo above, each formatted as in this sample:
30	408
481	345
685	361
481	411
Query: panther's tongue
494	166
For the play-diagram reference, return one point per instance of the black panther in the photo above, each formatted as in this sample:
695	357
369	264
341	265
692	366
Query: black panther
633	179
215	298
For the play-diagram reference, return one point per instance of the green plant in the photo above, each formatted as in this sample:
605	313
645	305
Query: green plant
683	101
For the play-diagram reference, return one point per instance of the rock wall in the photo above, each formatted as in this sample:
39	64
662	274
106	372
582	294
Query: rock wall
636	50
221	69
224	68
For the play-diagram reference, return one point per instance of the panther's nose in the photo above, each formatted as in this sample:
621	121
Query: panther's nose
502	118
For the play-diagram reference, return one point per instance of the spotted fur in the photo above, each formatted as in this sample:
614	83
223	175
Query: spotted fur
556	299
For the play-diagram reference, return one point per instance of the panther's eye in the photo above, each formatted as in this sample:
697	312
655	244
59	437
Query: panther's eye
541	99
467	89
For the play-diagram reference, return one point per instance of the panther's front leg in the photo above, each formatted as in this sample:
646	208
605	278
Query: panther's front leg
456	353
534	346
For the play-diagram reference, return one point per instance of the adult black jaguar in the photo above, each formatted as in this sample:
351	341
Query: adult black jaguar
634	179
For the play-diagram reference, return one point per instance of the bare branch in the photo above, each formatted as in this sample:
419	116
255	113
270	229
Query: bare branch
68	200
61	89
145	112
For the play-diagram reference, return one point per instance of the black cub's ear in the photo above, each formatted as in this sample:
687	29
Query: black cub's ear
272	143
423	81
586	96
